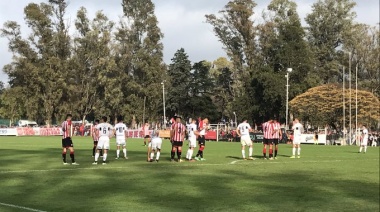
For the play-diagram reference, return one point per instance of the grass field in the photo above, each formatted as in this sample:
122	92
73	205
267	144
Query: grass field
326	178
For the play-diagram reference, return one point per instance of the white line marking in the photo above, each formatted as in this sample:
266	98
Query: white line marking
20	207
255	162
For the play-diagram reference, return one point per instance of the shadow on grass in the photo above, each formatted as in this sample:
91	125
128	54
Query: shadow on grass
174	188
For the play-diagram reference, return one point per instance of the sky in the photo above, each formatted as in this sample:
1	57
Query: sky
182	22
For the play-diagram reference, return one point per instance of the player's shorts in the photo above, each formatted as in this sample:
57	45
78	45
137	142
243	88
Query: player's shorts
275	141
192	142
297	140
147	136
104	143
95	143
364	142
155	144
120	141
267	141
201	140
177	143
67	142
245	140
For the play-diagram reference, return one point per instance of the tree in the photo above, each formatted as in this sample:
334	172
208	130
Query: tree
329	25
40	61
91	64
323	105
147	69
180	78
235	29
10	104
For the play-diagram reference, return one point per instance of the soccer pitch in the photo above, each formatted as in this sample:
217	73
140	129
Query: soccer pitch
326	178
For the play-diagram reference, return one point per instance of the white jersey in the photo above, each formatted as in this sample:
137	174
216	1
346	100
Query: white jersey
365	135
244	129
104	129
120	129
297	129
192	128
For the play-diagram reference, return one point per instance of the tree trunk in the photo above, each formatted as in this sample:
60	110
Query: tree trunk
84	119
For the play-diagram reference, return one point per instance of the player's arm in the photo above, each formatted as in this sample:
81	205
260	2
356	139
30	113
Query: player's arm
238	131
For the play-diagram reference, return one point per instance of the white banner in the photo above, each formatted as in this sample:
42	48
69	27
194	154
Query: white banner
8	132
309	139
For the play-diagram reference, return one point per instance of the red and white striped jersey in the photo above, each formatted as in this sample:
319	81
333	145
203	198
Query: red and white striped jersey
268	130
66	129
94	136
179	129
276	130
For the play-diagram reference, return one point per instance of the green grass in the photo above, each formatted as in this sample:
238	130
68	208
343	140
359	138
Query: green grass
326	178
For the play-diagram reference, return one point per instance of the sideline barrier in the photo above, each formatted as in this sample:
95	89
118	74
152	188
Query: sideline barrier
309	139
8	132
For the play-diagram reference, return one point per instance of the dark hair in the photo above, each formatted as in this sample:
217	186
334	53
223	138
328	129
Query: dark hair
119	118
69	115
97	121
104	118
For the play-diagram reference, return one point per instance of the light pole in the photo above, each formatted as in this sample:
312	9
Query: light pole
349	76
344	108
356	103
235	120
163	101
287	97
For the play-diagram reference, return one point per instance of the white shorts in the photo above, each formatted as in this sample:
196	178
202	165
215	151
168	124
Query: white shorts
103	143
245	140
192	142
297	140
120	141
155	144
364	142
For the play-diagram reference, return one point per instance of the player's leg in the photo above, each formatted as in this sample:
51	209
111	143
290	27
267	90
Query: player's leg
94	148
179	152
294	150
299	150
250	151
71	149
99	148
271	149
265	148
243	152
174	148
64	150
158	154
125	151
145	141
153	150
117	151
276	149
106	149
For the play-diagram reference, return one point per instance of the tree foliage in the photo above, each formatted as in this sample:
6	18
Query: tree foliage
324	105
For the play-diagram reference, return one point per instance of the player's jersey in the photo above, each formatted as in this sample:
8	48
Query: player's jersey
120	129
276	130
268	130
94	138
244	128
66	129
104	129
297	129
202	128
191	129
146	130
365	135
178	129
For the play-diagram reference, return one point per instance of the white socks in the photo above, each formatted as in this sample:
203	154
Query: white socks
104	157
294	151
365	148
151	155
250	151
189	154
117	153
361	148
299	151
243	153
125	152
96	157
158	156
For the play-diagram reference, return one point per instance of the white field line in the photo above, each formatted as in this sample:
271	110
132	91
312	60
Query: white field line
235	162
20	207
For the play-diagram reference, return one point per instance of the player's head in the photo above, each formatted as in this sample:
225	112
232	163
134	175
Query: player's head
69	117
178	119
245	120
120	119
193	121
364	126
97	121
104	119
205	121
156	133
296	121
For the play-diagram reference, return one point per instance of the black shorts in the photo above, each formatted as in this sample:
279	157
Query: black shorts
95	142
177	143
67	142
202	140
275	141
147	136
267	141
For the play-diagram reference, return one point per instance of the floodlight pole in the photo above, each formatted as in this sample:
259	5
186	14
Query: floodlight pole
163	101
287	97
